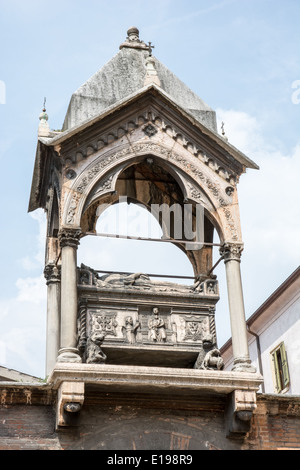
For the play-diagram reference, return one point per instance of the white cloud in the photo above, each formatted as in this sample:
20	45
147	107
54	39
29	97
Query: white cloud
269	208
23	318
31	289
32	262
22	335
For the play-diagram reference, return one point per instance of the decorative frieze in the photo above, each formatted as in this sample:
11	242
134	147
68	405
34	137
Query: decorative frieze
91	175
150	121
119	308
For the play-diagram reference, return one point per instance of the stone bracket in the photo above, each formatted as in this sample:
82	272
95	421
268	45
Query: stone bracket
240	407
69	380
70	399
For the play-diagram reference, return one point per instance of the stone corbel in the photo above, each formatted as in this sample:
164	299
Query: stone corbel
238	414
69	402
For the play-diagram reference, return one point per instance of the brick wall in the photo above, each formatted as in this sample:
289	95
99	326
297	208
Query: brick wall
123	422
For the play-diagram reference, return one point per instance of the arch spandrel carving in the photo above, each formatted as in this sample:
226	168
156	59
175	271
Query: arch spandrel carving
103	171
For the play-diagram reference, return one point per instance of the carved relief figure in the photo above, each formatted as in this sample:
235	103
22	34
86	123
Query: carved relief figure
213	360
94	353
121	280
211	288
209	358
130	330
157	330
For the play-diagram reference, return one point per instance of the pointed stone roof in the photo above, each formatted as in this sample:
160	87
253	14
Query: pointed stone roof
127	73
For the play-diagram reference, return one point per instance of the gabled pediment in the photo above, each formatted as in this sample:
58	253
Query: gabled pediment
151	106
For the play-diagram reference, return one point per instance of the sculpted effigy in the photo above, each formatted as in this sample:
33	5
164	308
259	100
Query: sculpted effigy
94	353
213	360
130	330
157	330
141	281
209	358
121	280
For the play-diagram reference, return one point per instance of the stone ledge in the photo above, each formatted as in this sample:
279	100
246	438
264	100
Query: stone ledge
154	378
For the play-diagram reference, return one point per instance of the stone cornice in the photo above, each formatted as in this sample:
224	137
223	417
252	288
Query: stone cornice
154	379
217	160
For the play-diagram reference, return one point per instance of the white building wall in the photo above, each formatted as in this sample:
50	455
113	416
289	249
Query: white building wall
283	327
280	322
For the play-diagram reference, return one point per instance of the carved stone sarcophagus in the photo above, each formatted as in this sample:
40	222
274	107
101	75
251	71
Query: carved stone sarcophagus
132	320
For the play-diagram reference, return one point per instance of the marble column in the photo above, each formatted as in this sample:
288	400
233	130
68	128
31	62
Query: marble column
232	258
69	241
52	275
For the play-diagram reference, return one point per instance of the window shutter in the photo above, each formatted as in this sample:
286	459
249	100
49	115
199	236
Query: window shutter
285	368
276	372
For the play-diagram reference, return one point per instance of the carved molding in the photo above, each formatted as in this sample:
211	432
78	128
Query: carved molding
214	197
150	120
90	176
82	315
72	209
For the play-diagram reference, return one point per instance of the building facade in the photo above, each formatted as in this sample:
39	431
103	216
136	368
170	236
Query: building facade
133	363
273	338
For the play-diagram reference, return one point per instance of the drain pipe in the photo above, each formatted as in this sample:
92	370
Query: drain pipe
258	355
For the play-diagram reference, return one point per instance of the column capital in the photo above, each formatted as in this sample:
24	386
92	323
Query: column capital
232	251
69	237
52	273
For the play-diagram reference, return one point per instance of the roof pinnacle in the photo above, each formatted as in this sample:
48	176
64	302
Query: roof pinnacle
44	129
133	40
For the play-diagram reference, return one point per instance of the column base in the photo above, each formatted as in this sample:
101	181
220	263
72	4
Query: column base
243	364
69	355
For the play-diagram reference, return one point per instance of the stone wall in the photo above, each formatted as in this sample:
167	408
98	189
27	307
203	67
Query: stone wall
144	422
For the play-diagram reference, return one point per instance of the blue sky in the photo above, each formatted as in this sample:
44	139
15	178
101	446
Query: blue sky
240	56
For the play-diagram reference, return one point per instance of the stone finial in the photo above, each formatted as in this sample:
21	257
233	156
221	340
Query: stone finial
223	132
44	129
151	72
133	34
133	40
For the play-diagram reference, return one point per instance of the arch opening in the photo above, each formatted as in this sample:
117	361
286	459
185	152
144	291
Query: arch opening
152	185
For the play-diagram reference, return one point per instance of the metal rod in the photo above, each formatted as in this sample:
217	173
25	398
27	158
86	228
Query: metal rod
161	240
212	269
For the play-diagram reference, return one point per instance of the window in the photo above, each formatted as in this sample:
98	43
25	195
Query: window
280	368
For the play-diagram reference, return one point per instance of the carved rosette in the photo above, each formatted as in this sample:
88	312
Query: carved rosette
232	251
69	237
